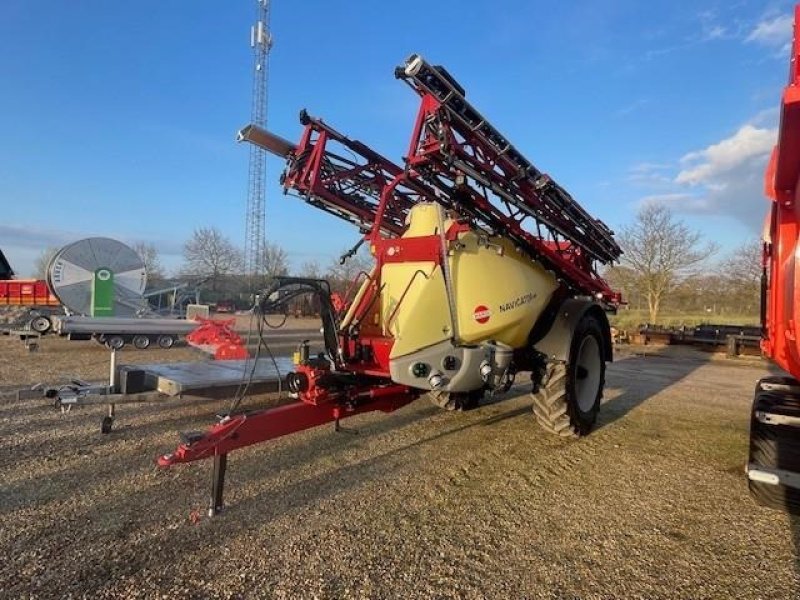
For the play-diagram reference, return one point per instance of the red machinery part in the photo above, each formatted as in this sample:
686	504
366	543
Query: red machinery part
26	292
219	336
456	158
239	431
781	295
247	429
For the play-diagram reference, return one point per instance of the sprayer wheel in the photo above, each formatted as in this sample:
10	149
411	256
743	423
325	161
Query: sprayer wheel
568	398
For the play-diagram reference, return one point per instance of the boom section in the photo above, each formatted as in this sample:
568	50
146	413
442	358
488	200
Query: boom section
456	150
343	177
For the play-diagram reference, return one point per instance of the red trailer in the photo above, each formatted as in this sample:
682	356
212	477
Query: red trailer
26	292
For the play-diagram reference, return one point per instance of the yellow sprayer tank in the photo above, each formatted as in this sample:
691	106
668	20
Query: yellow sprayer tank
496	296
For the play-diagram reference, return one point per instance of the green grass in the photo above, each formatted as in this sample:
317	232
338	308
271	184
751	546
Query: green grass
630	319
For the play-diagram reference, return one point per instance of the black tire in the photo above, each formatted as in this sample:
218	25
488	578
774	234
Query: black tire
775	447
456	400
567	400
115	342
41	324
141	342
166	342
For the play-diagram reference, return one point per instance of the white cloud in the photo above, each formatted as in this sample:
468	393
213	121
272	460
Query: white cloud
775	32
767	117
649	167
630	108
648	174
716	32
711	165
724	179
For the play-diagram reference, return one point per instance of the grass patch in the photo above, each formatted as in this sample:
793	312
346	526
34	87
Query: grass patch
632	318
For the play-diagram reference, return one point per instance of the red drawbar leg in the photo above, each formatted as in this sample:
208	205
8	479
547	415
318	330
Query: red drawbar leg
246	429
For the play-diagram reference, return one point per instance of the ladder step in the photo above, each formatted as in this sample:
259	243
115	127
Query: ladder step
759	474
769	418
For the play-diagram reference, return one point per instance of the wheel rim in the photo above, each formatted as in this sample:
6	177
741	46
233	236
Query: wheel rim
40	324
141	342
116	342
165	341
587	373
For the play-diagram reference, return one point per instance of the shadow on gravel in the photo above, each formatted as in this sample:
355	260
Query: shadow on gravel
643	375
794	526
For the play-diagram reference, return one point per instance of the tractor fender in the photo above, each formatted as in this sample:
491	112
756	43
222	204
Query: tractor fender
555	344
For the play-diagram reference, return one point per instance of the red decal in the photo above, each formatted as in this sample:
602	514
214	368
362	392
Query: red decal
481	313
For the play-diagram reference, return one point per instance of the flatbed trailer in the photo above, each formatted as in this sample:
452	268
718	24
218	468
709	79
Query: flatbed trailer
135	384
116	332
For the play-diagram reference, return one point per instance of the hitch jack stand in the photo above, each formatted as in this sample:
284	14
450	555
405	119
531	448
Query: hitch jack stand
337	427
217	484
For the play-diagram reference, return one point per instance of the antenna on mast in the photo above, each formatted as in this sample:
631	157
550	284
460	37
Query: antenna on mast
261	42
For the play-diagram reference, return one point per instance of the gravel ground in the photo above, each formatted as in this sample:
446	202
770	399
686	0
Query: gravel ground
421	503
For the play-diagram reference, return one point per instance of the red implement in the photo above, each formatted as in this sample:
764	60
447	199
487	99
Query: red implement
780	317
456	159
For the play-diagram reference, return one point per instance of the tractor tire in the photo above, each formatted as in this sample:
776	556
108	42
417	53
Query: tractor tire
774	460
567	400
455	400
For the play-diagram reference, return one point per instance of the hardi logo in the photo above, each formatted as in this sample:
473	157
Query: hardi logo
481	313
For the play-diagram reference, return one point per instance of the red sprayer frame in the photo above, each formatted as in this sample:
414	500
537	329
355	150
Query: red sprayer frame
455	158
781	279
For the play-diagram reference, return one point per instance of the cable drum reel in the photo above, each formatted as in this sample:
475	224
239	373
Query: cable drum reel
99	277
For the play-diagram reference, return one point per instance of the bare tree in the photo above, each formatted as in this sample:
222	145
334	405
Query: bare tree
662	252
342	275
311	269
210	254
741	270
276	261
43	261
151	258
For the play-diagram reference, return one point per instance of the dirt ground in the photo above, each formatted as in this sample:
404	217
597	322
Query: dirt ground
420	503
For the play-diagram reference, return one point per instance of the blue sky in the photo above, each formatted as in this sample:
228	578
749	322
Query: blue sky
118	118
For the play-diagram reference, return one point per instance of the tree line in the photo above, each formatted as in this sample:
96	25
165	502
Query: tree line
668	266
215	264
665	266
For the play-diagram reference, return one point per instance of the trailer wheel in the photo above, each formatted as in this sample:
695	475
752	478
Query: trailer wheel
115	342
456	400
141	342
166	341
567	399
41	324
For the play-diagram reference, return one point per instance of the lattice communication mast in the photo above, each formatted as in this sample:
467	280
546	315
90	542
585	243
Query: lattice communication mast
261	42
